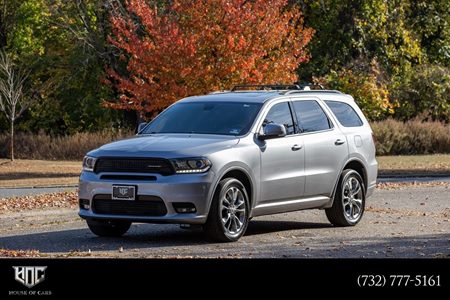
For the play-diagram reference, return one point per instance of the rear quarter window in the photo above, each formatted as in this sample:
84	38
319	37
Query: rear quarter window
345	114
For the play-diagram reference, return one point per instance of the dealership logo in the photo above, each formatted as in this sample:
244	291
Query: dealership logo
29	276
123	191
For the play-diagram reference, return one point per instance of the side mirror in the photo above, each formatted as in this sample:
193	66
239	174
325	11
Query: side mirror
141	126
273	131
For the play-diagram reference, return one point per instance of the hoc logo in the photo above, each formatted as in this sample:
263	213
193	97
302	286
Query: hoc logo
123	191
29	276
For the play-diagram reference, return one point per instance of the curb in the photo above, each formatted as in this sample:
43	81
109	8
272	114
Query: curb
409	175
38	187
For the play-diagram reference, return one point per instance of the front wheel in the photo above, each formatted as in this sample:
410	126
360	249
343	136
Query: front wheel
228	216
108	228
349	200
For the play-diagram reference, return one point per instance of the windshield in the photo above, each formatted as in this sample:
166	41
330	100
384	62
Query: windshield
224	118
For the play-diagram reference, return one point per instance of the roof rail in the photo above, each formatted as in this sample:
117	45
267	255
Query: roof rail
313	91
290	87
266	87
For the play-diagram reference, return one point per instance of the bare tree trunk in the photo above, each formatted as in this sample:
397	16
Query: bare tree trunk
12	98
12	141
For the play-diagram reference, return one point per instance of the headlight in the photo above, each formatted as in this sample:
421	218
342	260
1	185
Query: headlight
89	163
191	165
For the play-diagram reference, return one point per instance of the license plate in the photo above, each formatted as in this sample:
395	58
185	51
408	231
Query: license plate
124	192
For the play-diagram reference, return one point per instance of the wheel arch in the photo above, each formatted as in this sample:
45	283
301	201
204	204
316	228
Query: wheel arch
354	164
244	177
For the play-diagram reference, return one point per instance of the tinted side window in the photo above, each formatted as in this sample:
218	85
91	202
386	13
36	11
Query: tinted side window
280	114
346	115
310	116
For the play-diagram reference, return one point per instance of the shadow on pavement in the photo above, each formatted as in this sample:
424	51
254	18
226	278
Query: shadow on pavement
256	227
324	244
139	236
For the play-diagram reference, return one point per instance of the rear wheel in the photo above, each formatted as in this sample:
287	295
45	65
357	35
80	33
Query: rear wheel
349	200
228	216
108	228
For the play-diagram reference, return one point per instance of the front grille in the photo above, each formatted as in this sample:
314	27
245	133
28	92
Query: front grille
145	206
134	165
128	177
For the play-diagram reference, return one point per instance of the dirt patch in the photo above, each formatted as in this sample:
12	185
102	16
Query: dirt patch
408	213
19	253
418	184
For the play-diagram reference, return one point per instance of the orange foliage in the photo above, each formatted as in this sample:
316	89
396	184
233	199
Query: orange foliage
194	47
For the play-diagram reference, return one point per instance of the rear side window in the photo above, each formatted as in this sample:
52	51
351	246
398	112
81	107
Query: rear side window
280	114
311	116
346	115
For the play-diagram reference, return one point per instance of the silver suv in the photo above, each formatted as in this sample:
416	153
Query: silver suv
221	159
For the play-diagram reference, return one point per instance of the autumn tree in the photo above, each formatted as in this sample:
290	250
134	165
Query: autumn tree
194	47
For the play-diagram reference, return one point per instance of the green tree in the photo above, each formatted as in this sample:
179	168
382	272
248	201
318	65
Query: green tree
403	38
430	20
64	44
362	29
424	93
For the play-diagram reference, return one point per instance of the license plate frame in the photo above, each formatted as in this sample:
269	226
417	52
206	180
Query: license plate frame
123	192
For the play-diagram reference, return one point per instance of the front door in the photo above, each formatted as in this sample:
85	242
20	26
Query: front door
282	159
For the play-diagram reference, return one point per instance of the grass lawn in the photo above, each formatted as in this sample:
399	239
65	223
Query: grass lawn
41	172
38	172
417	164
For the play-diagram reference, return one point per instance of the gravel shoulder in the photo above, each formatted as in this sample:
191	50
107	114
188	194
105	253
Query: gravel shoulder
412	221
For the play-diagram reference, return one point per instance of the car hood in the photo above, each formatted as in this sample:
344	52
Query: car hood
167	146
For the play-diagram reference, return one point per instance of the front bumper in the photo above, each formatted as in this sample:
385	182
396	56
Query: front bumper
192	188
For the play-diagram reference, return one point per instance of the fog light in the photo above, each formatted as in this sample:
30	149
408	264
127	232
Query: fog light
184	208
84	204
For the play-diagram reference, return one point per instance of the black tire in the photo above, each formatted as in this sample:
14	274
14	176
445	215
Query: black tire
342	210
214	227
108	228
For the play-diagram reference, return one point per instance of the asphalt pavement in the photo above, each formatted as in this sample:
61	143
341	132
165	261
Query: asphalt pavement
412	222
28	191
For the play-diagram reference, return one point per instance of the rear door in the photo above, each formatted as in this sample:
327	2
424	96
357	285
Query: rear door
282	159
325	147
358	133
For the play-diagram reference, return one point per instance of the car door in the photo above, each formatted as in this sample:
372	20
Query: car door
324	145
282	159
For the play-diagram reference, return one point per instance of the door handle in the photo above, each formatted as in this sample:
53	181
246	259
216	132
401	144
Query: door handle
339	142
296	147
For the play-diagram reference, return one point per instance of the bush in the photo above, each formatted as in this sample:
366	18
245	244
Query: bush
411	137
43	146
393	138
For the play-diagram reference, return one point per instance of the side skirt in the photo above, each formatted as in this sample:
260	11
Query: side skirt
291	205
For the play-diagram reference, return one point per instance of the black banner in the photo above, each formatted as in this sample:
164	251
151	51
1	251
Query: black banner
110	277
